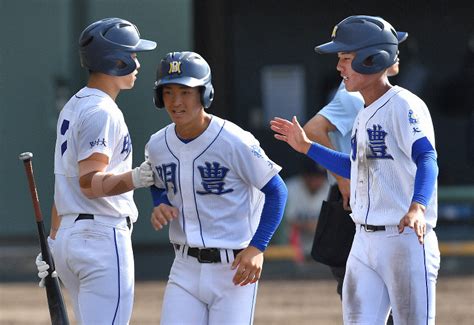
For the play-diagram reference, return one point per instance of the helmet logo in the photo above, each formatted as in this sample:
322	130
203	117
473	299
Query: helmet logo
175	67
333	34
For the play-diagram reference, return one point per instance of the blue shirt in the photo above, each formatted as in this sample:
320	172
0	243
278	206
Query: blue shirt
341	111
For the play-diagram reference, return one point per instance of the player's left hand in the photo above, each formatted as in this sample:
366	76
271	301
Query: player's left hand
249	264
415	218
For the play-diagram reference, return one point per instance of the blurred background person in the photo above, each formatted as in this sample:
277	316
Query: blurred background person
306	192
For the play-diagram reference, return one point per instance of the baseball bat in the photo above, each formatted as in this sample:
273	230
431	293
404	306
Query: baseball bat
56	306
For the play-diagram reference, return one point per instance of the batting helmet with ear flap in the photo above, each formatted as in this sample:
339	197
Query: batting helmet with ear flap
184	68
106	46
374	41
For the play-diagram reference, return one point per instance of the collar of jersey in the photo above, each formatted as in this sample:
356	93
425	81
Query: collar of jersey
384	98
86	91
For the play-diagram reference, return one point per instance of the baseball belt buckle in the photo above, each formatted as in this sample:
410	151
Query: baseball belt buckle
368	229
207	255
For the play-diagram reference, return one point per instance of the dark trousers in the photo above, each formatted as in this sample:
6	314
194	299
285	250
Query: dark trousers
337	271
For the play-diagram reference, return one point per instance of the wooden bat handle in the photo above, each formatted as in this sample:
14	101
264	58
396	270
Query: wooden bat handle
26	157
56	306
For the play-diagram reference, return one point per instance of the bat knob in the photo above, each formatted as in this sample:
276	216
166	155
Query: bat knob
25	156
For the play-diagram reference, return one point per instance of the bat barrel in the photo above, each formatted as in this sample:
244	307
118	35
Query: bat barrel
26	158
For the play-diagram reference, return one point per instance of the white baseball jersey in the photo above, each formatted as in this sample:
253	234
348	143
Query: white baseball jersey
388	268
91	123
214	181
382	169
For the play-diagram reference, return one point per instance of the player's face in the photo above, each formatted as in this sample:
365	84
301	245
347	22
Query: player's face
128	81
353	80
182	103
394	69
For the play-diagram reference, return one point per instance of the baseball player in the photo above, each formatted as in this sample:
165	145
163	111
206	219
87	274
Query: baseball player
220	194
94	208
394	260
331	127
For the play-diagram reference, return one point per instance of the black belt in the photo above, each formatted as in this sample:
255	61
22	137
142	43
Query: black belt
207	255
372	228
87	216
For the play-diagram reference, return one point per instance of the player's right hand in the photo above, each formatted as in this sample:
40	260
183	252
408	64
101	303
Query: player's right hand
43	268
291	132
163	214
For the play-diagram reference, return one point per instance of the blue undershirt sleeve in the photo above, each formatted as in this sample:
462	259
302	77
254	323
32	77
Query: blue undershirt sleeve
424	156
159	196
276	194
335	161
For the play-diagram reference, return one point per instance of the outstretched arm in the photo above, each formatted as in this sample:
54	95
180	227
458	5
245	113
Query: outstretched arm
293	134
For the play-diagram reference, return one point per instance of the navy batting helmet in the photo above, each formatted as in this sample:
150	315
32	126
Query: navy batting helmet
184	68
373	39
106	46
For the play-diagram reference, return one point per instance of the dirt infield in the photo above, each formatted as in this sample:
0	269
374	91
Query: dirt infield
279	302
